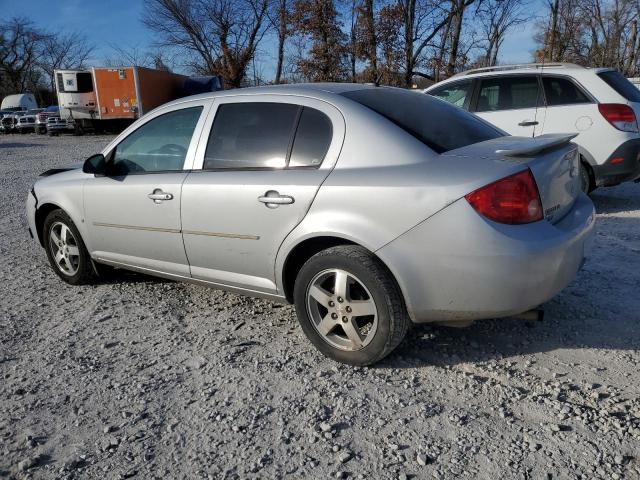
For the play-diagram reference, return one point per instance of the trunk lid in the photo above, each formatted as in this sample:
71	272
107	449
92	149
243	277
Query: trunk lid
552	158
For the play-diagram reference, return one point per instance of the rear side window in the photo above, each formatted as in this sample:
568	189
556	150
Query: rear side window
313	137
508	93
621	85
561	91
454	93
251	135
439	125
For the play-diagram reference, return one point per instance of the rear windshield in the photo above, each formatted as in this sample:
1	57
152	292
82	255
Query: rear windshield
621	85
439	125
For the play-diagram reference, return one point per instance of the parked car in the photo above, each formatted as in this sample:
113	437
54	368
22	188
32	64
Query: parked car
57	125
26	124
10	121
41	118
368	207
598	104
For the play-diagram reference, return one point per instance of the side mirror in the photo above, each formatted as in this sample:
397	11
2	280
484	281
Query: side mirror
95	164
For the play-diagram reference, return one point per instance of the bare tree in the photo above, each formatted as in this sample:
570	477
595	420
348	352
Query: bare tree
20	51
280	19
220	35
316	23
366	40
60	51
496	18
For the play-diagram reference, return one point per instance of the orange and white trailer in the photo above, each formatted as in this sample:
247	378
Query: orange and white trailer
111	98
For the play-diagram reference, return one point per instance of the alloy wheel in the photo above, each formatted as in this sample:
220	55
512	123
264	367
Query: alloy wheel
342	310
64	248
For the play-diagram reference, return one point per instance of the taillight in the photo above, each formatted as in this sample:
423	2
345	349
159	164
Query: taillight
513	199
620	116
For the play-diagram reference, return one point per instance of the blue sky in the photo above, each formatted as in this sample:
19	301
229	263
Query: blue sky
109	22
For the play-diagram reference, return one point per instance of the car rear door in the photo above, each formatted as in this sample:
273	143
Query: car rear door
256	174
133	212
569	108
513	103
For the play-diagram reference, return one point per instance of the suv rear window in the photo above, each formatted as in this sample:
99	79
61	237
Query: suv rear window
621	85
562	91
437	124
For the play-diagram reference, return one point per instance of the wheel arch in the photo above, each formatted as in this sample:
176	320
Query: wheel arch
41	214
306	248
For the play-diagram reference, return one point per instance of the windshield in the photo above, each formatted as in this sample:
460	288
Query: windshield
621	85
437	124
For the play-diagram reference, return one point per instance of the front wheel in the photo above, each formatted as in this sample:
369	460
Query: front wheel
349	306
66	251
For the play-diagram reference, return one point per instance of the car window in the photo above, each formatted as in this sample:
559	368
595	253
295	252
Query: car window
562	91
159	145
313	137
455	93
507	93
439	125
251	135
621	85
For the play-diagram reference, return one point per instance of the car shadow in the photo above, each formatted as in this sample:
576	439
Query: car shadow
19	145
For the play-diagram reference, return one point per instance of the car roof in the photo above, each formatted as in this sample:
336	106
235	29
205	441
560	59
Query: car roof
570	69
321	91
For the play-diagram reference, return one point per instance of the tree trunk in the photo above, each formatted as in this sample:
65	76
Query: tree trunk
554	27
372	39
409	16
282	35
631	58
443	46
455	40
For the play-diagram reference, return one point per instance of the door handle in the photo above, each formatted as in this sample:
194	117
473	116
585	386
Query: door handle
158	196
273	199
527	123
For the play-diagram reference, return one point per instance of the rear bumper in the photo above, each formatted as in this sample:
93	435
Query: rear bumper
626	168
459	266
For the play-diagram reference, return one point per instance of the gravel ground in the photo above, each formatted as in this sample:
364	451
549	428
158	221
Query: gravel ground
139	377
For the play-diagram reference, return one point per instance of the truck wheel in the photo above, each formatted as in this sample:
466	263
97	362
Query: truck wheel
349	306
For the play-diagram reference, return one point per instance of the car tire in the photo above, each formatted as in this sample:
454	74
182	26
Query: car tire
66	250
586	180
369	287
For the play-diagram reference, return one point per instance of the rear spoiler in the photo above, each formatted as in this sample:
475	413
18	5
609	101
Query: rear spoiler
537	144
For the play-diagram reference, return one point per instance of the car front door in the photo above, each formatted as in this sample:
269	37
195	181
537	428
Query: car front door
133	212
457	93
261	167
513	103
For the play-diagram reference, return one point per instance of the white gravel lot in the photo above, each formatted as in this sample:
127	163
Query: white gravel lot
145	378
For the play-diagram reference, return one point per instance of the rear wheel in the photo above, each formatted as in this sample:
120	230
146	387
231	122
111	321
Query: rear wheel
66	251
349	306
586	179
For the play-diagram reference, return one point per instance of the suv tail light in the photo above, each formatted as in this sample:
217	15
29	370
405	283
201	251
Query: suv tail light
514	199
619	115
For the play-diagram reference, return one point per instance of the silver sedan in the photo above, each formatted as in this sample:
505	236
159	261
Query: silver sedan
369	208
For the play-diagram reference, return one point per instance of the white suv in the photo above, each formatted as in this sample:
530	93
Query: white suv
598	104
